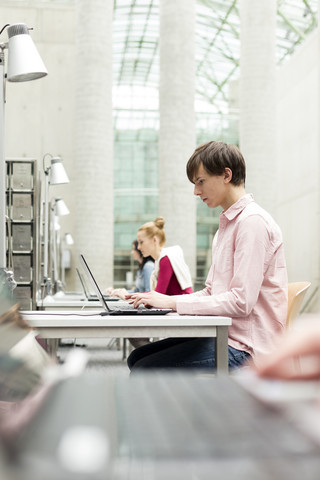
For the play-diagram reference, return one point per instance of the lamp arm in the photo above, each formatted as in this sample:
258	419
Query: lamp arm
46	227
46	169
2	167
7	25
3	260
54	247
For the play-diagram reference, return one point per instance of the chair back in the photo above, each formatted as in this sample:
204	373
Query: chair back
296	293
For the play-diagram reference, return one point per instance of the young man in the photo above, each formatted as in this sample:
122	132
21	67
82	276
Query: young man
247	279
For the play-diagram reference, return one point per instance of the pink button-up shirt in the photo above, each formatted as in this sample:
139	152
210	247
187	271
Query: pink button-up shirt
247	279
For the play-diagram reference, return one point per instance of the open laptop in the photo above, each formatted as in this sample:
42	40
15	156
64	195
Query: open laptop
122	309
92	297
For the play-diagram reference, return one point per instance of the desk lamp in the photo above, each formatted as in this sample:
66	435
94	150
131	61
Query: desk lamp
55	174
68	239
65	260
59	209
24	64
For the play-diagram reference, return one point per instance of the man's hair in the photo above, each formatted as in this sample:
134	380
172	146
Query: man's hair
215	158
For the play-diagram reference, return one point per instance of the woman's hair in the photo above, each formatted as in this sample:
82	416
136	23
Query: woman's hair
215	158
155	229
144	260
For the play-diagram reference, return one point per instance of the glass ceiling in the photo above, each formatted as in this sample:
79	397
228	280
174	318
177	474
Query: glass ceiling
136	51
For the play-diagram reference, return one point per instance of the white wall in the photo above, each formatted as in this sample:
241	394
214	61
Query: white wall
298	162
40	114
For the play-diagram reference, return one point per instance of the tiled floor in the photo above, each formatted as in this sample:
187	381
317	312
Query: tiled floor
104	354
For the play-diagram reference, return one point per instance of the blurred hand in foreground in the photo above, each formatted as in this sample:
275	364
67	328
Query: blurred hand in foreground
297	356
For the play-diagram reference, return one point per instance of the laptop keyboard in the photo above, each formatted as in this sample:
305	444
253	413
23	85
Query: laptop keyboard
127	308
95	298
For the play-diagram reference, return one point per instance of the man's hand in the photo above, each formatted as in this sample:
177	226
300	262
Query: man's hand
151	299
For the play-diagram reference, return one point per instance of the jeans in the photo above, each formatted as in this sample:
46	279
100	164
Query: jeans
188	353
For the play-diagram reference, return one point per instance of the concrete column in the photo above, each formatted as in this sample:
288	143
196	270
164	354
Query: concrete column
177	124
258	98
94	137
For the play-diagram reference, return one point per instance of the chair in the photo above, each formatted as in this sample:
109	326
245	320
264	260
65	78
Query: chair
296	293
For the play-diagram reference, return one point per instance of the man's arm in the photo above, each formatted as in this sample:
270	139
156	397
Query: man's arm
250	255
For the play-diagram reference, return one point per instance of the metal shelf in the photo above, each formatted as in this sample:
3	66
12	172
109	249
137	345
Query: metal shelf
22	208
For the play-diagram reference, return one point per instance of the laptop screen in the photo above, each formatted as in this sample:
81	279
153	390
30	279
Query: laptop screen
94	283
84	285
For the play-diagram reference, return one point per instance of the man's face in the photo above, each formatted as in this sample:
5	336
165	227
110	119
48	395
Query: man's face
212	189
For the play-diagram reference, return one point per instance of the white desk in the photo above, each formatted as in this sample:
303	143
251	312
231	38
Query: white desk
88	324
70	305
69	302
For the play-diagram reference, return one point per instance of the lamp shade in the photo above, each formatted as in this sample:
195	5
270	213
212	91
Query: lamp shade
68	239
56	223
61	207
57	172
24	61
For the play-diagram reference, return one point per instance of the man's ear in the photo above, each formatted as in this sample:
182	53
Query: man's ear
227	175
